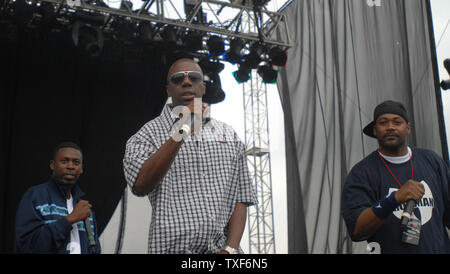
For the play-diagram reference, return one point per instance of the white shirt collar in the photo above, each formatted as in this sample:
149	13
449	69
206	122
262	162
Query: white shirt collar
398	159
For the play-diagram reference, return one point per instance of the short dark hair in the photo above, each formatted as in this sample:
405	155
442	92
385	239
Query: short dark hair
66	144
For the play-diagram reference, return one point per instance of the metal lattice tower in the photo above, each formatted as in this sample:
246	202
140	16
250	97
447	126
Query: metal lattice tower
260	217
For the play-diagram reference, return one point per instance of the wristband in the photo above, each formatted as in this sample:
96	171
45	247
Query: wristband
384	207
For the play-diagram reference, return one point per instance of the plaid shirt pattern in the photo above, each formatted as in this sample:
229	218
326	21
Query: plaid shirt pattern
192	205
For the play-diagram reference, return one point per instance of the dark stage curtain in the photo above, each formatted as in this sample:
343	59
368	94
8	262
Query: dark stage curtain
53	92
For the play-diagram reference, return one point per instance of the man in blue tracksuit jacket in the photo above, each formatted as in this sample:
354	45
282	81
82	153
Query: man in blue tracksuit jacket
50	217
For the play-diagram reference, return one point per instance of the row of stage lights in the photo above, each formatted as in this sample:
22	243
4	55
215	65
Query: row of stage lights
89	28
246	56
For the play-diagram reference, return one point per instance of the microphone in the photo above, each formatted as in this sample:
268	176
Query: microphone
91	240
410	225
407	212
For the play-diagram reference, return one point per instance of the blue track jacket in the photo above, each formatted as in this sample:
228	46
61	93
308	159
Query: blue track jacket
41	224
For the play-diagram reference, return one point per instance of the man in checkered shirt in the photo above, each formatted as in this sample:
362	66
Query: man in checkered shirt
196	177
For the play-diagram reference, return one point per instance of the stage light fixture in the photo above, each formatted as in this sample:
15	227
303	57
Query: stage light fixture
268	74
95	19
209	66
260	3
216	45
242	75
278	57
234	55
145	31
193	41
213	93
88	38
445	84
47	11
169	34
22	10
253	59
124	30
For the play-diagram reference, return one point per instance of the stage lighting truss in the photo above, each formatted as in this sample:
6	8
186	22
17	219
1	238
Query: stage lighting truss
220	18
220	30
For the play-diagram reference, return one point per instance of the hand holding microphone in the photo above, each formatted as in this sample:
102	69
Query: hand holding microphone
80	212
190	119
411	193
411	190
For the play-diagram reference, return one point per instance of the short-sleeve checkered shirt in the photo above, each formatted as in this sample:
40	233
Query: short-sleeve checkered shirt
192	205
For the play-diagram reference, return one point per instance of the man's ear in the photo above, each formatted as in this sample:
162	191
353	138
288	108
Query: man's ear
203	85
52	164
167	91
408	127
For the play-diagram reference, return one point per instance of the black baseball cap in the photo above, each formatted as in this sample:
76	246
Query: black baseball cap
383	108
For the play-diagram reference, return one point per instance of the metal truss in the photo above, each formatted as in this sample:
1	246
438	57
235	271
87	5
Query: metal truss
260	217
221	18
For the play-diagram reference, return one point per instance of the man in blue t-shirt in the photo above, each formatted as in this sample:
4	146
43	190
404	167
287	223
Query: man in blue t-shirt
378	188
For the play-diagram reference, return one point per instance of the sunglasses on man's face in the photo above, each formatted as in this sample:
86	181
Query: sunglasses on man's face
178	77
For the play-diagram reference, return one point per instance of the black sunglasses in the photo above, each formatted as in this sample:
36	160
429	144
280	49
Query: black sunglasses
178	77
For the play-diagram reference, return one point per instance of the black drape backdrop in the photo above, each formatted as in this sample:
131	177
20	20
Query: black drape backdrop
53	92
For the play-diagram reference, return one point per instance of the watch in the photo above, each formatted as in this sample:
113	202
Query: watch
230	250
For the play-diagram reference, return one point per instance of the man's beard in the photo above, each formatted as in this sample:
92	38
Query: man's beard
392	147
